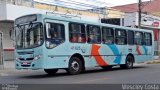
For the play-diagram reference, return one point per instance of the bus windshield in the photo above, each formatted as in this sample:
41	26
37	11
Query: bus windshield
28	35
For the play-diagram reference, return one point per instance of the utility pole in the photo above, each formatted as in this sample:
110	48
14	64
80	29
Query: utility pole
139	13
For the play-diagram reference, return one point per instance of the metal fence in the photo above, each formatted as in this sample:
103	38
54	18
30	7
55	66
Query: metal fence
29	3
1	51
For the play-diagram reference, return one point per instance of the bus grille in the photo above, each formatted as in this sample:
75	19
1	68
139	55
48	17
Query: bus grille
27	59
21	59
25	65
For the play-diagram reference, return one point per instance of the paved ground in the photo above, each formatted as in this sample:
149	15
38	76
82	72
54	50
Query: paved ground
144	73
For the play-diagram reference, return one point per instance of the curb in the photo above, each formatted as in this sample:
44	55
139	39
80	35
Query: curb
153	62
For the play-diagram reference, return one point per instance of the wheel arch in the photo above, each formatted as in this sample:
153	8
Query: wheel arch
81	58
130	54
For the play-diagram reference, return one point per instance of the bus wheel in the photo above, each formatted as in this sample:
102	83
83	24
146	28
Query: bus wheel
129	63
107	67
75	66
51	71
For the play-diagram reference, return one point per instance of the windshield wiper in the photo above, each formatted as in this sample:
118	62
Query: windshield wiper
30	26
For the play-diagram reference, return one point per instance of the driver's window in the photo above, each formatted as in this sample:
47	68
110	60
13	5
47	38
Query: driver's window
55	33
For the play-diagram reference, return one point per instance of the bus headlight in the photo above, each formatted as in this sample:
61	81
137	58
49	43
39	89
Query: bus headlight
17	58
37	57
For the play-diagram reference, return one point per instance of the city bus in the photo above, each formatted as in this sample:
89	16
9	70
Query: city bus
52	42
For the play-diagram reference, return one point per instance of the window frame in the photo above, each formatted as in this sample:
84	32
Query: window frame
100	32
131	38
46	33
125	37
150	40
83	27
113	36
142	39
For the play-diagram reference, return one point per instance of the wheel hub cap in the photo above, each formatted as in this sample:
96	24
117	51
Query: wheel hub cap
75	66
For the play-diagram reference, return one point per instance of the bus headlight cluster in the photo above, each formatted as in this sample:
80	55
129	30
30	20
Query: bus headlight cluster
17	58
37	57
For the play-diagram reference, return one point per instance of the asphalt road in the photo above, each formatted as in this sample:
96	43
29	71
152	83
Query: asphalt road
140	74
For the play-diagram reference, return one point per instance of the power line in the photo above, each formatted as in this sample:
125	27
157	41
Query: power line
89	6
73	2
76	6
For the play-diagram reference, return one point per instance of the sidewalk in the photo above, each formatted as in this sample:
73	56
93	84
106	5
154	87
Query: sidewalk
153	62
8	65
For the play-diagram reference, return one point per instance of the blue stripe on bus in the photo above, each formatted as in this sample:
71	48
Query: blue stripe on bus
116	52
145	49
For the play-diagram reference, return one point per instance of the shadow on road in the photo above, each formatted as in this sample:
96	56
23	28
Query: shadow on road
62	74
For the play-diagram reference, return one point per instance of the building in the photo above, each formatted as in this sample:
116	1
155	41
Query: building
8	13
11	9
151	7
15	8
149	22
150	18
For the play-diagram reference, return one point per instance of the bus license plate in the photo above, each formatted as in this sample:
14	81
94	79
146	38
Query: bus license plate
24	63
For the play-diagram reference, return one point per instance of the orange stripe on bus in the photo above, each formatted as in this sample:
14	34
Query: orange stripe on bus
96	55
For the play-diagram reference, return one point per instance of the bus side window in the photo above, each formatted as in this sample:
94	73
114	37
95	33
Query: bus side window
55	32
94	34
130	37
77	33
121	36
147	39
138	38
107	35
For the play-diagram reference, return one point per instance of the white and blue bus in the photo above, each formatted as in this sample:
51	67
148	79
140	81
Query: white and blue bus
50	42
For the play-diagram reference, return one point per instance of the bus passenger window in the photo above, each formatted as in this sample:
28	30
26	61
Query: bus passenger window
55	33
138	38
94	34
81	38
77	33
107	35
73	38
147	39
121	37
130	37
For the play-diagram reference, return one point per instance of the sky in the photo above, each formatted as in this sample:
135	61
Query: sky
87	4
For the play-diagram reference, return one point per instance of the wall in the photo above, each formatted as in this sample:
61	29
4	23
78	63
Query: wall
3	13
5	26
113	13
129	19
11	12
14	11
62	9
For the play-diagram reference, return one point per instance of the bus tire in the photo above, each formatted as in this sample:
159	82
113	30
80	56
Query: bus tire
129	63
75	66
106	67
51	71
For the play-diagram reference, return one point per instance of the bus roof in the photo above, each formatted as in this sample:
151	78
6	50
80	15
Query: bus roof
87	22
